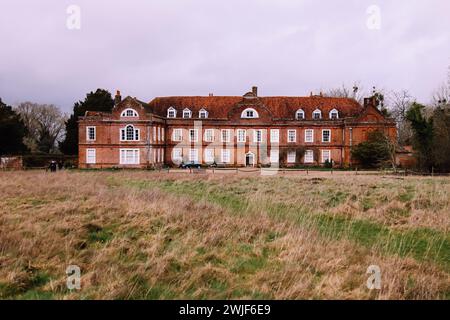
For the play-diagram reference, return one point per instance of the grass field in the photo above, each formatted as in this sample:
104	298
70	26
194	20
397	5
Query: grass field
148	235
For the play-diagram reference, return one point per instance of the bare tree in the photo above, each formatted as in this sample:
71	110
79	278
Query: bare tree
355	92
398	103
45	123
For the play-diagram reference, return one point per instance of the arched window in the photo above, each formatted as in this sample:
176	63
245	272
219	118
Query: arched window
300	114
187	113
249	113
129	113
171	112
317	114
334	114
129	133
203	114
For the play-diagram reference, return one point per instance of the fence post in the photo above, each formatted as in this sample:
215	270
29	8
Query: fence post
356	171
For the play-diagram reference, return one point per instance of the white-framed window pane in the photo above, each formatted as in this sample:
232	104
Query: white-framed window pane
326	155
317	115
90	133
129	156
226	135
274	156
274	135
226	155
193	155
292	136
257	136
291	156
136	134
177	135
300	115
177	154
129	133
241	135
90	156
309	156
154	133
209	155
326	135
209	135
193	135
309	135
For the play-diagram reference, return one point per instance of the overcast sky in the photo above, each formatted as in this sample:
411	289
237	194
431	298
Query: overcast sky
194	47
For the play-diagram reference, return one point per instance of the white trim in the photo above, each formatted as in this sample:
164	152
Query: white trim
177	155
228	135
223	157
209	155
329	137
195	138
329	155
291	155
317	111
124	136
253	158
274	135
274	156
255	135
334	111
124	156
308	156
208	135
239	135
91	156
177	132
186	110
87	133
312	135
133	112
204	112
295	135
171	109
244	114
299	111
193	155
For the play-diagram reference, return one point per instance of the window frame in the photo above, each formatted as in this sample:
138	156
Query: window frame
255	135
317	111
312	135
195	139
88	157
295	135
277	136
170	110
289	153
239	132
311	152
228	136
209	158
186	110
174	136
334	111
300	111
223	152
123	114
329	135
244	114
124	133
191	153
274	152
203	111
136	156
205	135
177	158
322	155
88	133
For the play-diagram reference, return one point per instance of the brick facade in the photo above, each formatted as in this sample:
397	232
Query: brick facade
139	135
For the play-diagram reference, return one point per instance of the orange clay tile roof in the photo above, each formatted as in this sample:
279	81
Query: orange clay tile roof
280	107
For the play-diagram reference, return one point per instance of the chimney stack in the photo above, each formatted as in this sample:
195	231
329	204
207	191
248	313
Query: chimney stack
372	101
117	98
210	94
255	91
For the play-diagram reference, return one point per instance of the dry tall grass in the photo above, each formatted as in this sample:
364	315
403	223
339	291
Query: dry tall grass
169	236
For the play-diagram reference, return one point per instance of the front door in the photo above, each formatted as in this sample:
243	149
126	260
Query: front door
249	160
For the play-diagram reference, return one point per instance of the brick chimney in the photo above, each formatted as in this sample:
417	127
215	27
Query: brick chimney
255	91
371	101
210	94
117	98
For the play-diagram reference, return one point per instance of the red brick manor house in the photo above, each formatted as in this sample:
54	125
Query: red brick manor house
243	130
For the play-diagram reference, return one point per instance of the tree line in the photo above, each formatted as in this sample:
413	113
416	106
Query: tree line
43	128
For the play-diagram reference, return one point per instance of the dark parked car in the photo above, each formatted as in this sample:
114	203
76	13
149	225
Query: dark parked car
190	165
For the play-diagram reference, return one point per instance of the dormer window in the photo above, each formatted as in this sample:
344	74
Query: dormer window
249	113
334	114
203	114
129	113
171	112
187	113
317	114
300	114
